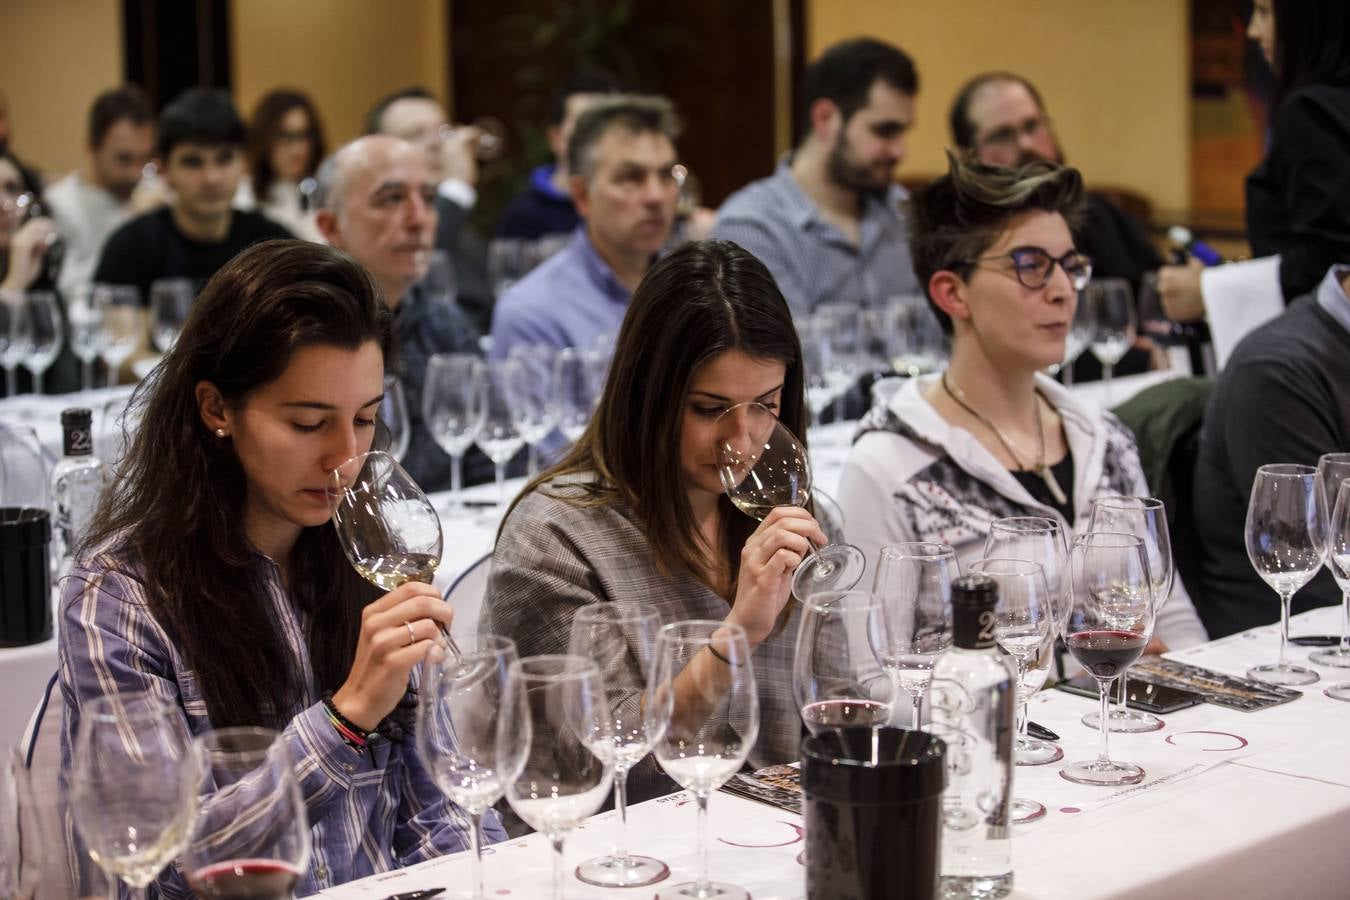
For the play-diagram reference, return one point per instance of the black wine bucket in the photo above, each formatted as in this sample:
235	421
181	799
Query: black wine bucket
25	576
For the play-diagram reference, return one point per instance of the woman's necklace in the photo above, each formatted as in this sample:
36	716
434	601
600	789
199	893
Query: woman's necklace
1039	467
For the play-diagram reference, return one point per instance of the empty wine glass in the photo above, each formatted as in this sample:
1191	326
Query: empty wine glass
459	704
503	386
1079	336
574	393
1338	560
1026	631
393	414
814	337
620	637
536	413
1146	519
13	341
45	333
170	302
24	473
250	778
764	465
86	332
438	282
1332	471
712	730
22	846
913	583
837	677
123	324
133	785
1286	541
450	410
1114	325
553	747
1110	623
1041	540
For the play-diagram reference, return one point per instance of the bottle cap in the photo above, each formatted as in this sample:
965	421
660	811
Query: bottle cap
77	431
974	624
76	417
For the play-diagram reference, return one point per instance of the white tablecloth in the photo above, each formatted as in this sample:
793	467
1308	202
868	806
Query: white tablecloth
1212	819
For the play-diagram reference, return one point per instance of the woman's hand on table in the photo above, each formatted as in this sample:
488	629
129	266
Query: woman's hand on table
25	254
769	558
398	631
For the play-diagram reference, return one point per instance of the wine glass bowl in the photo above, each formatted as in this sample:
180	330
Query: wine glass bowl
913	583
393	414
451	408
838	679
1338	561
171	301
763	465
388	528
1332	471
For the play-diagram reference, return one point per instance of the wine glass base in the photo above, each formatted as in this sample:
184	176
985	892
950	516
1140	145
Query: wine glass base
835	567
1127	721
1338	691
1336	659
1034	752
1105	774
1025	811
632	871
1283	673
710	891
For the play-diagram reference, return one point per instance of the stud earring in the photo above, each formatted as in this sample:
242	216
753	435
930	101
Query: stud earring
220	432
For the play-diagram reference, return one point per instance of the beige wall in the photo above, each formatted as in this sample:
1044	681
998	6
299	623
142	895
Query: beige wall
1114	75
345	54
55	56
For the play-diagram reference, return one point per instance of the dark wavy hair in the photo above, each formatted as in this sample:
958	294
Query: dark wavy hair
1312	44
175	511
702	299
262	134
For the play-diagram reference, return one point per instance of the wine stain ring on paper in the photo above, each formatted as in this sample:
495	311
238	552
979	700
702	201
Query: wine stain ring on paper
1201	744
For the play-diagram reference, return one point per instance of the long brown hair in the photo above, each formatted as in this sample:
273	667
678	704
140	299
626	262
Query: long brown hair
175	511
263	131
705	298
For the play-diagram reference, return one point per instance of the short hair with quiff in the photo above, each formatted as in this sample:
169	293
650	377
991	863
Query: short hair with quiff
633	113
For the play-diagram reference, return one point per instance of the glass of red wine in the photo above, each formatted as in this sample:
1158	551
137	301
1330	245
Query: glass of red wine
837	677
1110	622
251	836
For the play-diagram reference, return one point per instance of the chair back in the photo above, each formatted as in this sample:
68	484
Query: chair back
466	594
41	751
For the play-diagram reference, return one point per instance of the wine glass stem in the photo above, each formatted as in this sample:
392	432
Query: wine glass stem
533	455
1122	697
457	479
11	381
476	842
822	568
1104	692
703	886
1345	621
37	381
557	869
1285	600
500	475
86	374
917	724
1107	370
621	806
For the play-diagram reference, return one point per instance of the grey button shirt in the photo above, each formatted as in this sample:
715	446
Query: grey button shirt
812	261
554	556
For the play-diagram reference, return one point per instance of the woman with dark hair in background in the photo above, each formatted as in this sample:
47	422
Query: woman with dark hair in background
1298	198
285	146
212	578
636	509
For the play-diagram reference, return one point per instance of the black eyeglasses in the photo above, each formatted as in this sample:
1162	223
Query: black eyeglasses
1034	266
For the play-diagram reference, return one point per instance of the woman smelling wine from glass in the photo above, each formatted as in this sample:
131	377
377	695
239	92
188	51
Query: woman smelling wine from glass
213	579
993	437
636	510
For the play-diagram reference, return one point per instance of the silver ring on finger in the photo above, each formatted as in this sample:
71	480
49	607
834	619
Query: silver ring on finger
412	635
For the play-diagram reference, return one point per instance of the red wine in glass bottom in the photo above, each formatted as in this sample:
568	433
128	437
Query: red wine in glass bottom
245	879
840	713
1106	653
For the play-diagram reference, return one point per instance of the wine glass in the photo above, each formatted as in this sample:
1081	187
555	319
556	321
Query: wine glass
133	785
86	332
1286	541
13	341
387	526
763	465
45	333
1110	622
813	334
1037	539
22	846
620	638
1338	560
536	413
1026	631
123	324
170	302
393	414
1145	518
503	386
459	701
438	282
1078	338
24	473
574	393
554	748
837	677
251	837
1332	471
450	410
1111	303
913	581
711	733
491	141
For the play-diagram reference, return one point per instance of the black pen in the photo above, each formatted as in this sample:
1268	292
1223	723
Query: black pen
1041	732
1315	640
416	895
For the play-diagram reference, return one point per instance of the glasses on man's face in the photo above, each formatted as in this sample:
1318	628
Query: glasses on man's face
1008	135
1034	266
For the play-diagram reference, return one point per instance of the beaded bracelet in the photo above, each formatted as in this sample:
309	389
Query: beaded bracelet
351	735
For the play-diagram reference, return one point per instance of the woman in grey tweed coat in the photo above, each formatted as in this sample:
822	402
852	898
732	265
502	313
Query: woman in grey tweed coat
636	510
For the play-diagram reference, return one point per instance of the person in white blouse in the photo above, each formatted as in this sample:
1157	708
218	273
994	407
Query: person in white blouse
993	436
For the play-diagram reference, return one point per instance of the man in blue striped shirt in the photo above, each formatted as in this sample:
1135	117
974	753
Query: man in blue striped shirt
828	223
